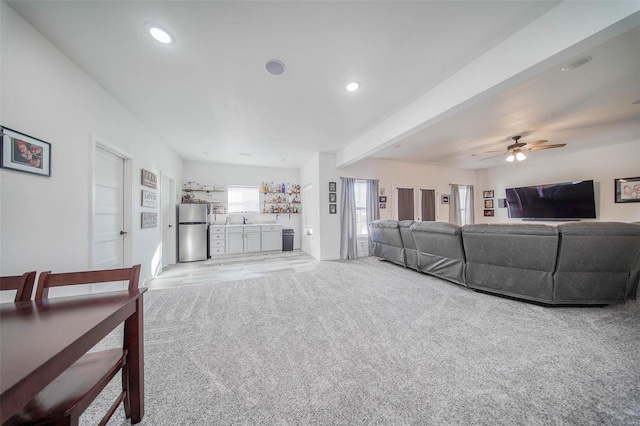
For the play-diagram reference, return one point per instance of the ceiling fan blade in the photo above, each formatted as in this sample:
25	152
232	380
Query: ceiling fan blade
491	152
493	156
536	148
535	143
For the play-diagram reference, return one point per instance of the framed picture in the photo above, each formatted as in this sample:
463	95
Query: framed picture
333	209
488	204
149	179
444	198
149	220
382	191
149	199
332	197
332	187
627	190
383	205
383	199
488	213
487	194
25	153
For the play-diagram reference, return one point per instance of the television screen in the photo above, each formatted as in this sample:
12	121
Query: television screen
566	200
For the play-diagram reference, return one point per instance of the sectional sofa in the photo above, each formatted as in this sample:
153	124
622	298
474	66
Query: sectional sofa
584	263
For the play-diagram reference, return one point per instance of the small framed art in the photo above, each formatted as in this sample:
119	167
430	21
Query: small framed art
25	153
487	194
488	204
488	213
332	187
444	198
150	180
332	197
383	199
383	205
333	209
627	190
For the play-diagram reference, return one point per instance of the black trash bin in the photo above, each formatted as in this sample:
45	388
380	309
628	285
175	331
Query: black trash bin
287	239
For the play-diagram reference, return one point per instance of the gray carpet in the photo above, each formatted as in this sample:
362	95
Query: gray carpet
368	342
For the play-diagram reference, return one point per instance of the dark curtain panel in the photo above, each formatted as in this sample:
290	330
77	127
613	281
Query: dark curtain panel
405	204
428	204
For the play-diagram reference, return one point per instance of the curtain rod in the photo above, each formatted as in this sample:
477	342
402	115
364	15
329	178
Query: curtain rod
461	184
359	178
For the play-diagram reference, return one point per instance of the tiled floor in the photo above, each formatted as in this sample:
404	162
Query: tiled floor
232	268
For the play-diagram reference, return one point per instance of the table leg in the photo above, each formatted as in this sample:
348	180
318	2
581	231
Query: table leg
134	343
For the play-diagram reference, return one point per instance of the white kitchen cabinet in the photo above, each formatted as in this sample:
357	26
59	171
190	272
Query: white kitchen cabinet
217	240
271	237
243	239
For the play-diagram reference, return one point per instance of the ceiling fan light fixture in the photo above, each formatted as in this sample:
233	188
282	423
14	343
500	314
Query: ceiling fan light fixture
520	156
510	158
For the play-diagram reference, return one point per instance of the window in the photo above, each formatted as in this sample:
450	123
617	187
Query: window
361	207
244	199
462	202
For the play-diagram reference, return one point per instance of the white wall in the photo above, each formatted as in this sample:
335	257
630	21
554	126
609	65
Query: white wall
44	221
603	165
310	178
227	174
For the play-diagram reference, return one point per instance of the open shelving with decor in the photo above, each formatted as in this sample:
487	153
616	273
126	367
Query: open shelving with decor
214	195
280	198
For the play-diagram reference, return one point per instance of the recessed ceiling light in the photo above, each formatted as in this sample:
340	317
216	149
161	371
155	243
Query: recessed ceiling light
352	86
577	64
159	34
274	67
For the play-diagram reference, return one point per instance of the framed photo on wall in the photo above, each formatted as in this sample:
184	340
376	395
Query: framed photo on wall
383	199
488	213
332	197
150	180
627	190
383	205
487	194
24	153
332	187
488	204
444	198
333	209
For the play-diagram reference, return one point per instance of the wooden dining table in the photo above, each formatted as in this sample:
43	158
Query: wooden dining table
40	339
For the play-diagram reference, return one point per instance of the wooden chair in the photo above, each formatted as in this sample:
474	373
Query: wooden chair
23	284
68	396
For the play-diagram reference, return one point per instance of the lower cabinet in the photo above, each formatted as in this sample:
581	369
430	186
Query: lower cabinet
271	238
243	239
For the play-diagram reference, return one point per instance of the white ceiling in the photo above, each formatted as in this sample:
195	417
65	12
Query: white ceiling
208	92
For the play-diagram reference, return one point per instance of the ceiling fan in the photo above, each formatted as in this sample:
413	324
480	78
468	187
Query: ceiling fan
516	150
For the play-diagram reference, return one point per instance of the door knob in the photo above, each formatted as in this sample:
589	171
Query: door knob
123	233
170	226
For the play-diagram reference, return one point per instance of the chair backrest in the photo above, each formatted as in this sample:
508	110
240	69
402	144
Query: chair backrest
47	279
23	284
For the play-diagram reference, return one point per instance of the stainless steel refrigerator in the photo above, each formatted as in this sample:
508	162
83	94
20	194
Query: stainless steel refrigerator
192	232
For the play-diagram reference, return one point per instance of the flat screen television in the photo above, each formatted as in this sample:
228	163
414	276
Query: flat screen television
566	200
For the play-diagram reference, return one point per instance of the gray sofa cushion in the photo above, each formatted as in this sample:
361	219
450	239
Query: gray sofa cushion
595	262
386	240
410	252
440	251
511	259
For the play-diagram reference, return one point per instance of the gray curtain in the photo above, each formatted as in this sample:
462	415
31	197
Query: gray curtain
428	204
373	208
456	205
455	214
348	232
405	204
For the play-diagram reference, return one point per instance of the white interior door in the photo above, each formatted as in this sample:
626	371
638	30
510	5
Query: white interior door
108	219
167	191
